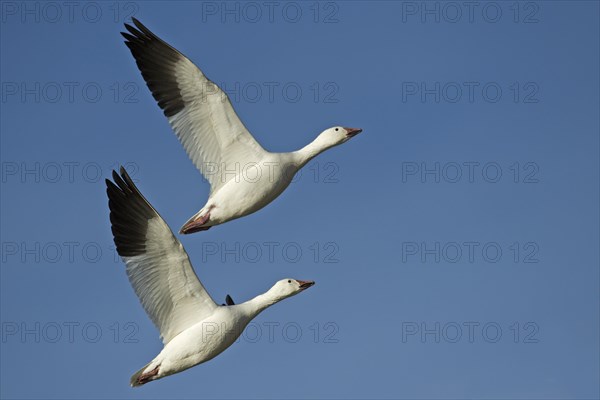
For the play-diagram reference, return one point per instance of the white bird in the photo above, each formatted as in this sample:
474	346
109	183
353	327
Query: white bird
194	329
243	176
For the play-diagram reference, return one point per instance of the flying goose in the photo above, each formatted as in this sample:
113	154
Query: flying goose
243	176
194	329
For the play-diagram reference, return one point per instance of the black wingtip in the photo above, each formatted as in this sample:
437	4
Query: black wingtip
156	60
138	24
129	214
135	21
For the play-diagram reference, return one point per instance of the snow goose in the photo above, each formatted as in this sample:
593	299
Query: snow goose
243	176
194	329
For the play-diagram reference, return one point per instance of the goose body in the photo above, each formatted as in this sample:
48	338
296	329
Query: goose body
197	344
257	184
243	176
194	329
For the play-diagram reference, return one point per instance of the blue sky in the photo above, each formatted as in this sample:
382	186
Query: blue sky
454	242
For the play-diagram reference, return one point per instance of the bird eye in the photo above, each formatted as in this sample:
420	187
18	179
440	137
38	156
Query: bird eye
336	129
289	281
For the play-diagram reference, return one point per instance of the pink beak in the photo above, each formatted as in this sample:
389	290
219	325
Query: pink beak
352	131
305	284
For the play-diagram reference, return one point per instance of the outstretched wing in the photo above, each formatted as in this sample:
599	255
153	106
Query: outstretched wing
199	112
157	265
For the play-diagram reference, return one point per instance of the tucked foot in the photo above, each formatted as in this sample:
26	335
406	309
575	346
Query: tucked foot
195	225
228	301
145	377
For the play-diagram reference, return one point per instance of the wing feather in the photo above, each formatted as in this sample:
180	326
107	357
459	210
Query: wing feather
198	110
157	265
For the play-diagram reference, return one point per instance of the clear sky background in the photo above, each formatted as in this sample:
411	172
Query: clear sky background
454	242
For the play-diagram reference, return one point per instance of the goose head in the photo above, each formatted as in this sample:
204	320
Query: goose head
288	287
328	138
337	135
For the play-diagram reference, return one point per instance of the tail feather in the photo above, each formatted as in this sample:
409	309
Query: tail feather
140	378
